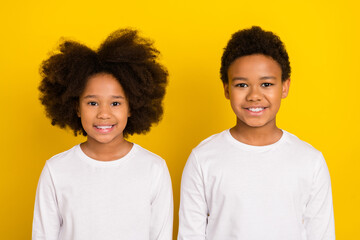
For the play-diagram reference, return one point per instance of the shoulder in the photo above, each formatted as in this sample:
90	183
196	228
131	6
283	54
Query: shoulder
211	148
296	144
60	164
63	157
150	164
302	151
213	142
147	157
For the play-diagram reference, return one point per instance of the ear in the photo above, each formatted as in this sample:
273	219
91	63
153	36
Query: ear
226	90
285	88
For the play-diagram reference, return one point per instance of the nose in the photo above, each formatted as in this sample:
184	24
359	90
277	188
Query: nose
254	94
104	112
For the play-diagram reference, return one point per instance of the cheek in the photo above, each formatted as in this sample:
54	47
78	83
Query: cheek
237	96
82	110
86	117
275	95
276	99
122	115
84	121
235	102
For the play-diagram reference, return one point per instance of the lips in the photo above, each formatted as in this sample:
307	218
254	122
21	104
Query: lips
255	110
104	128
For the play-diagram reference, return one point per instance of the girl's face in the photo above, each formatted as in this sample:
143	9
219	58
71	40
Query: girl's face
103	109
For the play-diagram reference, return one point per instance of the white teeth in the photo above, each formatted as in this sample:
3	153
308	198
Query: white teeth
103	127
256	109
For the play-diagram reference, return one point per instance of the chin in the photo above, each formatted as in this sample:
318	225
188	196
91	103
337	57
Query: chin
254	124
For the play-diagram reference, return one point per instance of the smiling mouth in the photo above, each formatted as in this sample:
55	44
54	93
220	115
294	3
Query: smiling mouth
257	109
104	127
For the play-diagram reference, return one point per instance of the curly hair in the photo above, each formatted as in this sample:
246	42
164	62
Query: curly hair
254	41
131	59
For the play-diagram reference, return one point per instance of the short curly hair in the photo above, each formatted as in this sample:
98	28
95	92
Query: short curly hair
131	59
254	41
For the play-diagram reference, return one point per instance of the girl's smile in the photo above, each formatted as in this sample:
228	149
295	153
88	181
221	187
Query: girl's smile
104	128
103	109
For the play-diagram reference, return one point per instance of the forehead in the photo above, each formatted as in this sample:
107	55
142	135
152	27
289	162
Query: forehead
254	65
103	84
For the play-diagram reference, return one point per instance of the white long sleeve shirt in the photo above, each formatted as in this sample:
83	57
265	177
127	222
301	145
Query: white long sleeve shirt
231	190
79	198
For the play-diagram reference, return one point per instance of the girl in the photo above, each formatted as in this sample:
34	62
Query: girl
106	187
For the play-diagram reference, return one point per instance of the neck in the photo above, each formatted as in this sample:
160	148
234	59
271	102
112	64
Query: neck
256	136
106	151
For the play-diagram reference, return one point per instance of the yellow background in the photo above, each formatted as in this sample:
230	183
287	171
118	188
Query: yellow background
322	38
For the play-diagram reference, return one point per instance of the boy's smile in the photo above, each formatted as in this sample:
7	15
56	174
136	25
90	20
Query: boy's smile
255	90
103	109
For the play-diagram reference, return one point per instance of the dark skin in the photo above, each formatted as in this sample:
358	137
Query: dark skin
256	137
106	152
104	112
255	91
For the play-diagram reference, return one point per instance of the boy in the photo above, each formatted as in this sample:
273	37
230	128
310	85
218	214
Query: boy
255	181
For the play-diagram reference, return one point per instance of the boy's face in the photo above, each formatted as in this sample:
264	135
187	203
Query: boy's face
255	90
103	109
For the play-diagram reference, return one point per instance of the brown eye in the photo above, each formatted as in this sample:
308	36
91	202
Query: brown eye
92	103
242	85
267	84
115	104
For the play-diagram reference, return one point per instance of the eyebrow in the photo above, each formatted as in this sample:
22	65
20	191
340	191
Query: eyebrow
267	77
239	78
245	79
95	96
